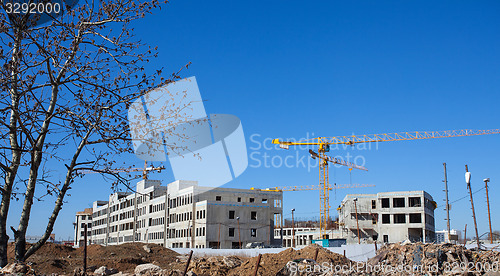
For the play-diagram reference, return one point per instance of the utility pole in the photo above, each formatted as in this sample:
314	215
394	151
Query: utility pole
488	202
447	204
281	227
218	239
357	223
293	229
239	235
467	180
85	249
465	235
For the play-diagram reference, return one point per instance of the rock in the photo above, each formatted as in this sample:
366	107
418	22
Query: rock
231	262
14	268
146	269
78	272
104	271
146	248
405	242
182	258
191	273
212	259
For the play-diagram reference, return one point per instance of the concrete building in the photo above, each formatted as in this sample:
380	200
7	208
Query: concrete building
184	214
304	236
388	217
82	218
443	237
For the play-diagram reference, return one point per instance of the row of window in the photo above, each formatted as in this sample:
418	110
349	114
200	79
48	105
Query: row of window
156	235
124	204
401	218
156	208
200	231
232	215
180	233
100	213
398	202
200	214
89	225
156	221
127	226
84	217
239	199
253	232
99	231
180	201
141	223
173	218
89	233
130	214
126	215
98	222
141	211
143	198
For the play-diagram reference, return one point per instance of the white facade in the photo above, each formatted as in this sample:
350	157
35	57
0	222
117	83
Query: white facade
187	215
81	219
388	217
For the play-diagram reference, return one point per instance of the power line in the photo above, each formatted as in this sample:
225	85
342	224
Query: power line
462	198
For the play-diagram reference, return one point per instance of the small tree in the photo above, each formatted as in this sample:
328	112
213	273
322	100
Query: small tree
66	88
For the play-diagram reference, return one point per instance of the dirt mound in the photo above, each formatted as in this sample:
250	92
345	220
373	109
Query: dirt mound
439	259
207	266
271	264
61	259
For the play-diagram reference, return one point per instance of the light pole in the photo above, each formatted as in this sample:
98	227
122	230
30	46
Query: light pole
239	235
447	204
488	202
293	229
357	223
467	180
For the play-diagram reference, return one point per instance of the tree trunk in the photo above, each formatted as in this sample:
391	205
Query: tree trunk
36	159
16	152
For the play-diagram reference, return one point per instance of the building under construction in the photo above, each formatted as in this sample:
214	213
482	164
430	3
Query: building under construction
183	214
388	217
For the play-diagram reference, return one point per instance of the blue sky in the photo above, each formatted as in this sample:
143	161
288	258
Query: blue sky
293	69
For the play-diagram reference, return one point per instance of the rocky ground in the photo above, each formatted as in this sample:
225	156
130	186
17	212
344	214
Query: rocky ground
151	260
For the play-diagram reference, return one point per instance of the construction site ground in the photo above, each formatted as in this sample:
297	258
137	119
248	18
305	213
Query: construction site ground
129	259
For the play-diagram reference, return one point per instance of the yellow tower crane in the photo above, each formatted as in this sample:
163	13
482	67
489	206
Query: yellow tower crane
323	144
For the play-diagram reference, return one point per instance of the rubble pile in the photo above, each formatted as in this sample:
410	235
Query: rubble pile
272	264
213	266
431	259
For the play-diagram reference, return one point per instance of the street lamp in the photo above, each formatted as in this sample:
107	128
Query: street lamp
467	180
239	235
488	202
357	223
293	229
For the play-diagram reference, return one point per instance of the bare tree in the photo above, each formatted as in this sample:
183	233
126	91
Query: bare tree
66	88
